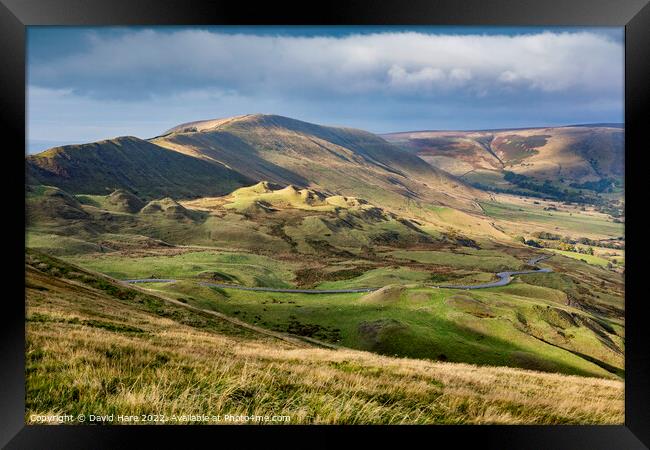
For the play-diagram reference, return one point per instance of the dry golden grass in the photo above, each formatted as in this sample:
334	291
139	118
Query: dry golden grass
99	351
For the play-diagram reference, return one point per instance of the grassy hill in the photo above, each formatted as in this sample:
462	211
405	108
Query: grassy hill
132	164
211	158
214	157
339	161
268	201
256	218
267	235
95	346
523	325
580	157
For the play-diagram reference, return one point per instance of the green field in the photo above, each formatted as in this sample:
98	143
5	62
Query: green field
255	270
272	202
579	223
119	350
528	324
591	259
493	327
59	245
490	179
466	258
228	267
379	278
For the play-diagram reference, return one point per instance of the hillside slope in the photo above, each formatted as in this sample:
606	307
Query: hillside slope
94	346
335	160
574	154
267	236
133	164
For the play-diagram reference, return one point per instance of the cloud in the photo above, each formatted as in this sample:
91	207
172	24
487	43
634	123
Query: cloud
142	82
148	63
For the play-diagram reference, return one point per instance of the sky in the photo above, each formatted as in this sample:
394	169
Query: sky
88	84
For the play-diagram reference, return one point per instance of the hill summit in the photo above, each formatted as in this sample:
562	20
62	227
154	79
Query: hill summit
214	157
346	161
268	196
131	164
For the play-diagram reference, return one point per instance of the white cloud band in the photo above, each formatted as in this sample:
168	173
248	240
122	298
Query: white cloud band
149	62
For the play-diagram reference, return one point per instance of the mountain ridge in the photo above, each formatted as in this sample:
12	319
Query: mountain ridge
212	157
130	163
572	154
337	159
468	130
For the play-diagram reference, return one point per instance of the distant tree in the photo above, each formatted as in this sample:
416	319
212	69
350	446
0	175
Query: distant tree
546	235
567	247
590	251
520	239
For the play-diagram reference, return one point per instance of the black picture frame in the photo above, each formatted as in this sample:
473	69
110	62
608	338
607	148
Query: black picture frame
634	15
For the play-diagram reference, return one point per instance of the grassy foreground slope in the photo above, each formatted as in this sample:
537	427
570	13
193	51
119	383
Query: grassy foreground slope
96	346
524	326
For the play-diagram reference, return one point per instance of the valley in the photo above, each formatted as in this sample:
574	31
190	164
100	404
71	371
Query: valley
582	164
232	225
95	345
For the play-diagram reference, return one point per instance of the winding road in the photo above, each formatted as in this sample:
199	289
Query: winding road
504	279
